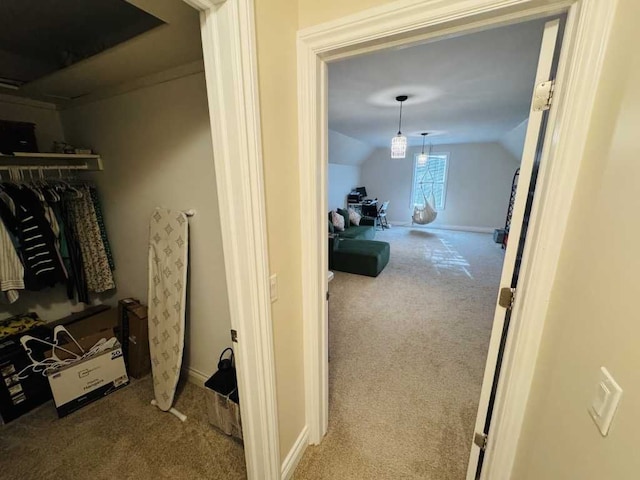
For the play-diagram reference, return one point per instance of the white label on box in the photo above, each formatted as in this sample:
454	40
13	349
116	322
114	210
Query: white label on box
85	376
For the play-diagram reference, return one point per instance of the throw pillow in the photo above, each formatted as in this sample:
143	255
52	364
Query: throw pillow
338	221
345	214
354	216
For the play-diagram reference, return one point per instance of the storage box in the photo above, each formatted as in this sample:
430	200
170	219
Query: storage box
134	336
17	137
20	395
96	319
87	380
223	413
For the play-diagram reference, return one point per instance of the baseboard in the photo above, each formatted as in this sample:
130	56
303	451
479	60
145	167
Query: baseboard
294	456
462	228
195	376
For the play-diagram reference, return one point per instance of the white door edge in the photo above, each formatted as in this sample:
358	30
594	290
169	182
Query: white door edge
529	152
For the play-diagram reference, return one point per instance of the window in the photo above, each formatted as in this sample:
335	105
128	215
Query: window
431	177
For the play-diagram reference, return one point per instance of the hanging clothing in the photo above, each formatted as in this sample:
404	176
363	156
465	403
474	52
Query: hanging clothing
11	269
103	230
98	274
41	260
71	253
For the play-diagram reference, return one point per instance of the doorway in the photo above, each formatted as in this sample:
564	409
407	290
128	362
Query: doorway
555	181
408	347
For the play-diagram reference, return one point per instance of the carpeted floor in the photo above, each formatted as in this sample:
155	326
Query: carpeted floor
120	437
407	354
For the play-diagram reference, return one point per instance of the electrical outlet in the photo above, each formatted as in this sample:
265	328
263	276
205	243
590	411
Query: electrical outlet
273	287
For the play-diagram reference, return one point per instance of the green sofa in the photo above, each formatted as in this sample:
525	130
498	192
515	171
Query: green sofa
365	231
354	250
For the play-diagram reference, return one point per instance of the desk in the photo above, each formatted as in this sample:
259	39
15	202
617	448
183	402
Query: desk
369	209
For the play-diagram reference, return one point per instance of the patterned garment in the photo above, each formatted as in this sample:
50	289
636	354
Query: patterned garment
99	276
11	269
103	230
168	249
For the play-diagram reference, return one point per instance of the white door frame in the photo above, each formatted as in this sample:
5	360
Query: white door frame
229	48
408	21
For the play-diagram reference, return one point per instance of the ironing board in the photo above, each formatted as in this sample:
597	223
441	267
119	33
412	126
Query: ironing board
168	250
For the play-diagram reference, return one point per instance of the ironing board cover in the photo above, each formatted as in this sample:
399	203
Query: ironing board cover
168	249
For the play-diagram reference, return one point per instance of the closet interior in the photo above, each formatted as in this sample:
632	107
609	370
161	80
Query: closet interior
105	136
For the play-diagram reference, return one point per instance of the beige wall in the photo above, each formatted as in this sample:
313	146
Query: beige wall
44	115
157	150
276	23
313	12
593	318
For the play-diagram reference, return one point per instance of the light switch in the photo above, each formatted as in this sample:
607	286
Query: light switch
273	287
605	401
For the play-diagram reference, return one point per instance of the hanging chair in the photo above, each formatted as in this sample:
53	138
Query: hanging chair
425	214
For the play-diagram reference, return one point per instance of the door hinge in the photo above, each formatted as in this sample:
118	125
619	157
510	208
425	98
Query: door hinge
507	297
234	336
480	439
543	95
328	295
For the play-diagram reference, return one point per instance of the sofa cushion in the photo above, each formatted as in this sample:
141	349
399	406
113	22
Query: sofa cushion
345	215
363	232
354	216
338	221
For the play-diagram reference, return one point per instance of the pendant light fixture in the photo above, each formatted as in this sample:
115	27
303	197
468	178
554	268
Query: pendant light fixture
399	142
423	157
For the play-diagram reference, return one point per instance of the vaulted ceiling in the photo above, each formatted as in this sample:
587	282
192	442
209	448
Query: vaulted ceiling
469	88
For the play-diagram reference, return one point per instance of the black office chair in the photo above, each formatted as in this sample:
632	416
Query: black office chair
382	215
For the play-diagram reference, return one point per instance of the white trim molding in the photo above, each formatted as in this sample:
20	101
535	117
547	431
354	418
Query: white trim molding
413	21
294	456
229	50
459	228
195	377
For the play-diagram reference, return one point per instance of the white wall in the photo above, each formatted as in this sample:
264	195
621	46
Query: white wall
478	184
157	151
513	140
342	179
44	115
347	150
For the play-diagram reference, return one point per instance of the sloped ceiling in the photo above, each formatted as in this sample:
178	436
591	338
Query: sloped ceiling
175	42
346	150
469	88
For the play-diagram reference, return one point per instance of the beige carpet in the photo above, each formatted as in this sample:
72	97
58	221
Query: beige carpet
407	353
120	437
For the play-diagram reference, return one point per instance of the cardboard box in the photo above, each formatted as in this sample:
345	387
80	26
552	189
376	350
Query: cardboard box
104	320
134	336
90	379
